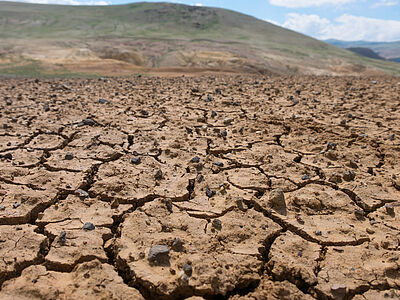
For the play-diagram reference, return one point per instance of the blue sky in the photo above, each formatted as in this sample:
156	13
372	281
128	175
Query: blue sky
371	20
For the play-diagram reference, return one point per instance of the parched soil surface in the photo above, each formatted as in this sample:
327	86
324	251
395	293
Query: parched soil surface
230	187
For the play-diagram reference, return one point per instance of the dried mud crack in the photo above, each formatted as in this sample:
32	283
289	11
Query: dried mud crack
227	187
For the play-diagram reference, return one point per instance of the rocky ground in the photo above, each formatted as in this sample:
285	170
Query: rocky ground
230	187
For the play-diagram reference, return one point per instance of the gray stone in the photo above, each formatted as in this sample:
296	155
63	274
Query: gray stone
81	194
158	254
277	198
88	226
188	269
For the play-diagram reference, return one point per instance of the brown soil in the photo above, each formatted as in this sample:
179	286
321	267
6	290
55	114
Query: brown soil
201	187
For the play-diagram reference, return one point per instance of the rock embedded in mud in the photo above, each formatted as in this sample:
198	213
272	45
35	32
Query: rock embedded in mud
331	146
177	245
81	194
224	133
88	122
88	226
144	112
277	198
158	254
217	224
389	209
349	176
69	156
219	164
210	193
136	160
188	269
359	213
62	237
158	175
195	159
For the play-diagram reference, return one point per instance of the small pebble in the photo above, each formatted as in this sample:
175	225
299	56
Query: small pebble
210	193
88	122
277	198
185	278
217	224
2	207
305	177
16	205
224	133
209	98
219	164
88	226
136	160
62	237
144	112
200	178
69	156
177	244
81	193
359	213
213	113
318	232
331	146
158	175
195	159
349	176
158	254
389	209
188	269
103	101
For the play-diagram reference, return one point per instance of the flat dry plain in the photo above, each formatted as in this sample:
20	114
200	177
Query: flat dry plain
225	187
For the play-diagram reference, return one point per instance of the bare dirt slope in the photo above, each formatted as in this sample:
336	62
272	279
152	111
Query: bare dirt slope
228	187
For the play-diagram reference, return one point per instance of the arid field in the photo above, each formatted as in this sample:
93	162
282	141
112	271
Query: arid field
215	187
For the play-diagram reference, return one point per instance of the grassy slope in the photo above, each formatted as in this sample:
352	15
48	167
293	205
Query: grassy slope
165	21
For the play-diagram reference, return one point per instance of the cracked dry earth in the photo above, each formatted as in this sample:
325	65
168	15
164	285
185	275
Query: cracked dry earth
231	187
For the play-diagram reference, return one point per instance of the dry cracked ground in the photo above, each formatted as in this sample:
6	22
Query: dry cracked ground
229	187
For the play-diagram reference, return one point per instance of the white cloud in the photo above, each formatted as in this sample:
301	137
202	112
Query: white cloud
384	3
307	3
197	4
345	27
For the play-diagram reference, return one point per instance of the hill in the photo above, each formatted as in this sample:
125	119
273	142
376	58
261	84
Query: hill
387	50
143	37
365	52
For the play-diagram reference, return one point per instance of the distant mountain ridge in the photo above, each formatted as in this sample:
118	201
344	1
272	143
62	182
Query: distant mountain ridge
365	52
387	50
144	37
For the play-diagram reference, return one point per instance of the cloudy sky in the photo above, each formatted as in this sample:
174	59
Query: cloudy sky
350	20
